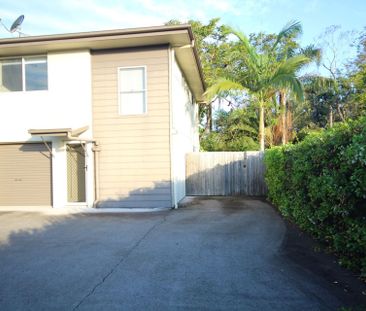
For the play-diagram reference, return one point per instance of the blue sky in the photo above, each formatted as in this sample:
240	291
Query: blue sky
61	16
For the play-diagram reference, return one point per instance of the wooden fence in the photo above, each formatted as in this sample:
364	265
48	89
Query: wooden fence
225	173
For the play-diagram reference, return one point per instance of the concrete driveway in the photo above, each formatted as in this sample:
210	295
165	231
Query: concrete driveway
214	254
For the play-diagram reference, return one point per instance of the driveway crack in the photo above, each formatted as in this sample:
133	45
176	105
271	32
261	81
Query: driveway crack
122	259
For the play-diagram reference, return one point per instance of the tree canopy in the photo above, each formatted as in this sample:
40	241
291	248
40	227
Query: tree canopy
269	99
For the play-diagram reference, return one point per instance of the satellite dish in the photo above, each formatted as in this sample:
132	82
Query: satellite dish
16	26
17	23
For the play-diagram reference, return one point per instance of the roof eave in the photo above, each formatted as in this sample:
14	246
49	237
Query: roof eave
176	36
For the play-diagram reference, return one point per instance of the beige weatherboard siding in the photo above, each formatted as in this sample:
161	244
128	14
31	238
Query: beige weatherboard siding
134	161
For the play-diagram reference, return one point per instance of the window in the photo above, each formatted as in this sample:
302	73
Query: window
11	75
36	73
23	74
132	90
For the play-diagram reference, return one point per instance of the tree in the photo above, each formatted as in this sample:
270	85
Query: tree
323	94
357	78
286	47
235	130
335	44
214	50
285	109
261	76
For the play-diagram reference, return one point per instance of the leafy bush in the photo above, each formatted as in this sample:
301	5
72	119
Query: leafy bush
235	130
215	141
320	183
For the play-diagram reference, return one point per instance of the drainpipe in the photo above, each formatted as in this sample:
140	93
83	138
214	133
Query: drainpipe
172	175
96	150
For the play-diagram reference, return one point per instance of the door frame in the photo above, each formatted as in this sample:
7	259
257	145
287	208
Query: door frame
83	146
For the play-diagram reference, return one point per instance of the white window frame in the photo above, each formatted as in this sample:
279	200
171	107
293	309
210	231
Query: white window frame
23	61
119	69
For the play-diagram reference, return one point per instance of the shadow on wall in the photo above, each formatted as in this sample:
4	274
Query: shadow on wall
236	173
40	147
157	196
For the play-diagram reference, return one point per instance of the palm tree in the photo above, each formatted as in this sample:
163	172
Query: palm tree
286	47
261	77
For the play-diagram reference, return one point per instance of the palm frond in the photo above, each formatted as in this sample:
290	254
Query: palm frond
249	49
220	86
285	78
310	51
289	81
293	64
291	29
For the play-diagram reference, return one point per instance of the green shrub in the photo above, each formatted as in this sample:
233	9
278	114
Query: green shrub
216	141
320	183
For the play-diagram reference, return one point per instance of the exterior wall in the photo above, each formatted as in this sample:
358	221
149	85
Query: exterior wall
66	104
184	128
134	161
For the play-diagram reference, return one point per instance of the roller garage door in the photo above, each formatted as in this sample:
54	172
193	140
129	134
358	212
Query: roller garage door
25	175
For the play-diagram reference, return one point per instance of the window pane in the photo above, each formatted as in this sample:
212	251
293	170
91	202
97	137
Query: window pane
11	75
132	103
132	79
132	84
36	74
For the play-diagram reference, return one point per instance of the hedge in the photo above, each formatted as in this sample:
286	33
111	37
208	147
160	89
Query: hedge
320	184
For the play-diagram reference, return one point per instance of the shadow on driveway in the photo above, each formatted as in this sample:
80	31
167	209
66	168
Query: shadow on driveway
213	254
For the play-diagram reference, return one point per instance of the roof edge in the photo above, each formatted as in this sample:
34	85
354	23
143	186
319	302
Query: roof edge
200	69
105	35
98	34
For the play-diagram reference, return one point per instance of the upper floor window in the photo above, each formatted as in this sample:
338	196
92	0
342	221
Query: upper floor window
132	90
23	74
